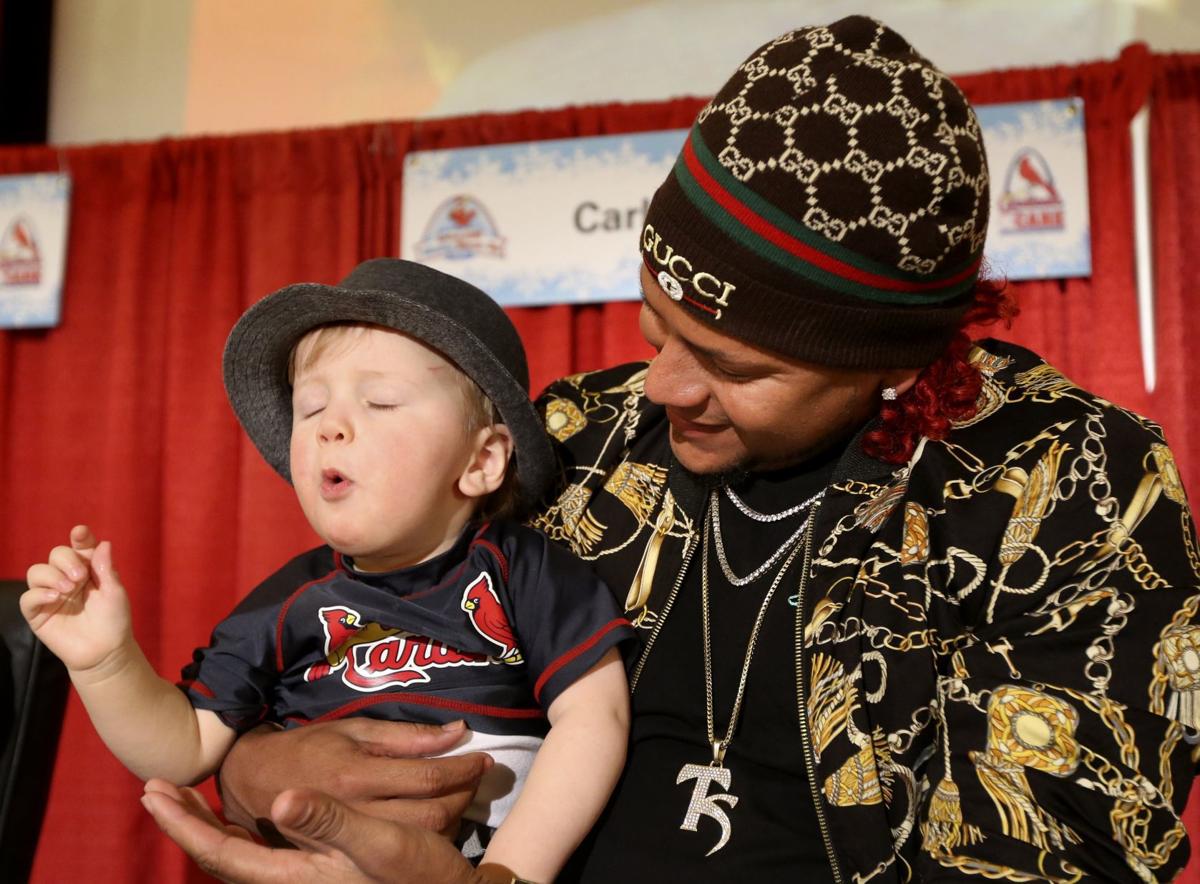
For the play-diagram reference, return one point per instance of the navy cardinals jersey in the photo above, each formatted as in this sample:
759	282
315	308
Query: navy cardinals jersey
491	631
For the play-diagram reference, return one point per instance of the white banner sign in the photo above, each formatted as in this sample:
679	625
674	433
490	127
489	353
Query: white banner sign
33	248
539	222
557	221
1037	158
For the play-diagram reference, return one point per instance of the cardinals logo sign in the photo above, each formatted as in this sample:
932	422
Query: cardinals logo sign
20	258
483	607
1030	200
371	657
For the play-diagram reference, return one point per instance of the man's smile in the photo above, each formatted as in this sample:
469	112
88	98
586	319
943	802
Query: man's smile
687	427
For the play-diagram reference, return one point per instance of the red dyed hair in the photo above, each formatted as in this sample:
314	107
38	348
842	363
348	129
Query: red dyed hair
946	390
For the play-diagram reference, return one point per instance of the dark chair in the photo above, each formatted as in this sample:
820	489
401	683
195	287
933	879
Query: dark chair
33	693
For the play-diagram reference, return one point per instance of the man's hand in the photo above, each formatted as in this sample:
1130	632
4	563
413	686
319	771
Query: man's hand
374	767
337	843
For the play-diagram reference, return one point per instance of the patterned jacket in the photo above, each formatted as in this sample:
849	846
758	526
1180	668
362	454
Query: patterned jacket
998	659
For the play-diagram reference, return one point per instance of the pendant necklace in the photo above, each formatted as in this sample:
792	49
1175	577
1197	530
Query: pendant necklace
701	803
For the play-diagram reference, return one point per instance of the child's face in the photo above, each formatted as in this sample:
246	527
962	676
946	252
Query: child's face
379	444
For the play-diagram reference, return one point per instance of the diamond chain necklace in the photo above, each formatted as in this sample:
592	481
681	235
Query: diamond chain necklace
714	520
754	514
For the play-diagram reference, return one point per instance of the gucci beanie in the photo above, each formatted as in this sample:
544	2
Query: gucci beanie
830	203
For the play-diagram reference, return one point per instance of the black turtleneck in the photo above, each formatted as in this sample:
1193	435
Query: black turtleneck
774	829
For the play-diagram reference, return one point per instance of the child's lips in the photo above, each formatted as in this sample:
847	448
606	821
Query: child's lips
335	485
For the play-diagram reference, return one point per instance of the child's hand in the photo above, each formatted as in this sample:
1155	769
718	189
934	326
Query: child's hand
76	604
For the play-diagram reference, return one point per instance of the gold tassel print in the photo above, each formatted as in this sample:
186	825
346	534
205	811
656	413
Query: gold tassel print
830	698
638	486
866	776
1033	494
1027	729
1179	656
943	829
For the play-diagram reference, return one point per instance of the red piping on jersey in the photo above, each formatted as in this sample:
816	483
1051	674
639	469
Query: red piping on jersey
422	700
198	686
337	566
453	578
570	655
494	550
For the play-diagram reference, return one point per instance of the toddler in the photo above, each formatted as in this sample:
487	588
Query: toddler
397	405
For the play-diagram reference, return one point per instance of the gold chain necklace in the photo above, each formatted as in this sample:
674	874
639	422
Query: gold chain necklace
701	803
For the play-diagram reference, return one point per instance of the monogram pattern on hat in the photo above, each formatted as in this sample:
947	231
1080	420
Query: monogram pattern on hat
861	139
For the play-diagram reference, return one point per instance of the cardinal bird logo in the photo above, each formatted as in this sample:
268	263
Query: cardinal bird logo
20	258
1036	181
344	629
1030	200
487	616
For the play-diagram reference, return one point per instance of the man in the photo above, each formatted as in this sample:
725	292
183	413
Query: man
909	608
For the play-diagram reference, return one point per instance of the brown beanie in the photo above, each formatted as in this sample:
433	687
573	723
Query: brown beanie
830	203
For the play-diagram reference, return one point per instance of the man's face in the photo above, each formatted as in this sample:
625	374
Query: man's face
379	444
734	406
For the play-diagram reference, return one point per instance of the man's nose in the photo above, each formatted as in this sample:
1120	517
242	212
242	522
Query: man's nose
675	378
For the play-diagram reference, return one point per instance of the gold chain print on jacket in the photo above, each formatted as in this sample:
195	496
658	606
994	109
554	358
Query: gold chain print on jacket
1001	656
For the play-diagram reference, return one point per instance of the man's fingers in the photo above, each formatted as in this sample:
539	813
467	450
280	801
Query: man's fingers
442	815
192	800
378	848
405	740
220	852
82	538
213	849
419	778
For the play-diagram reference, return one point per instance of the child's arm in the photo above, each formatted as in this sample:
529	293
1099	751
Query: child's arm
78	608
572	775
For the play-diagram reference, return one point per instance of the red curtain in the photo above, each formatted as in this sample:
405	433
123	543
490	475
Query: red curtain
118	417
1070	322
1175	167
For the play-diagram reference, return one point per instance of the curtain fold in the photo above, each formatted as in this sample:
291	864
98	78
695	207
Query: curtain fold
1175	176
1069	322
118	417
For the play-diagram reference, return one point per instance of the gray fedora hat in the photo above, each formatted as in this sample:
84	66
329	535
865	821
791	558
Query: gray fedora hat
452	316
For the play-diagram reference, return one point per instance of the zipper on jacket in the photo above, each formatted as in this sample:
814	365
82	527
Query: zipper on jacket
805	734
689	549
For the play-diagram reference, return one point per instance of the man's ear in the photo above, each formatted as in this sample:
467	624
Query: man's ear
902	380
489	462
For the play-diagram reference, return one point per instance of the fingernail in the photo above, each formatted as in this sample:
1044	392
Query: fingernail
453	725
65	586
74	573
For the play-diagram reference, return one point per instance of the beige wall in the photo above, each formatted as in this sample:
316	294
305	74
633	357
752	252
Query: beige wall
137	69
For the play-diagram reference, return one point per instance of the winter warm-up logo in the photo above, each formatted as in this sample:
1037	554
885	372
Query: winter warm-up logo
372	657
460	228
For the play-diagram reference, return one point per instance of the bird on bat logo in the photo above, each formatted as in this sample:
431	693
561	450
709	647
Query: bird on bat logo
344	628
